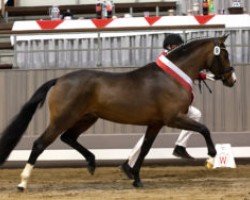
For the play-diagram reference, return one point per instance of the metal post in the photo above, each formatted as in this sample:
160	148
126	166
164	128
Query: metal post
27	55
2	8
131	11
157	11
99	51
15	51
185	36
45	57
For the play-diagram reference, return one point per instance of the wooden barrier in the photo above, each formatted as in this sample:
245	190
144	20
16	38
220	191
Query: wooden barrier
5	45
6	66
6	25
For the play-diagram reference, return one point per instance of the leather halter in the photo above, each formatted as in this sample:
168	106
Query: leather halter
224	70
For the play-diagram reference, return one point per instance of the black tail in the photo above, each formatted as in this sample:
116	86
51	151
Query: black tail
14	131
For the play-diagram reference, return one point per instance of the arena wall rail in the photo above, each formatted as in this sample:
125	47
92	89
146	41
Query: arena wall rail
226	112
98	42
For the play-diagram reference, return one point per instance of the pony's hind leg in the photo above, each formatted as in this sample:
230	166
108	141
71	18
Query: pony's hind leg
151	133
39	146
71	135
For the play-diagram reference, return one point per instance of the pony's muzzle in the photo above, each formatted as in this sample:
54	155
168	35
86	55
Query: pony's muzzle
229	81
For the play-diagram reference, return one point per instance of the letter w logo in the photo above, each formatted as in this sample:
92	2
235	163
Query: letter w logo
223	159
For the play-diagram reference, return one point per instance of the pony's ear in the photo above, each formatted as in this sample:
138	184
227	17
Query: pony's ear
224	37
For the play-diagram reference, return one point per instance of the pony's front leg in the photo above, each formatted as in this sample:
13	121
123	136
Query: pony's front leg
184	122
149	138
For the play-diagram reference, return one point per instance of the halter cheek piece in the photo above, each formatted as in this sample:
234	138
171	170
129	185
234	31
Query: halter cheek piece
217	52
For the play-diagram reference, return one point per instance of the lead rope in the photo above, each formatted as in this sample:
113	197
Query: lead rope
218	60
205	83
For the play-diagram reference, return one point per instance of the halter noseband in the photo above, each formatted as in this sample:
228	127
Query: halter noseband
217	52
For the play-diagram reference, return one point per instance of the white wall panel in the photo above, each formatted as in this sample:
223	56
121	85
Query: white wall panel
225	110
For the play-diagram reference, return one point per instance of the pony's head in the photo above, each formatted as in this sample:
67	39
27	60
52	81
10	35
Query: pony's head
206	53
218	62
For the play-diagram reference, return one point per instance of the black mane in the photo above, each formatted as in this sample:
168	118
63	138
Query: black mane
186	48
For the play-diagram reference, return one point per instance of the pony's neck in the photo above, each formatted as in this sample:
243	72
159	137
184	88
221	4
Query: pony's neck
192	62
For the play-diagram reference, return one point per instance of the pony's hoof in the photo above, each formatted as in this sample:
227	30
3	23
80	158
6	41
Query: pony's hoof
209	164
91	169
21	188
137	184
91	165
127	170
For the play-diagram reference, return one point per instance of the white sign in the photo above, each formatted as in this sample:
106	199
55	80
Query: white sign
224	157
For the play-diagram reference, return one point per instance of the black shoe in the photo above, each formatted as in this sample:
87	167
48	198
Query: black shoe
181	152
127	170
